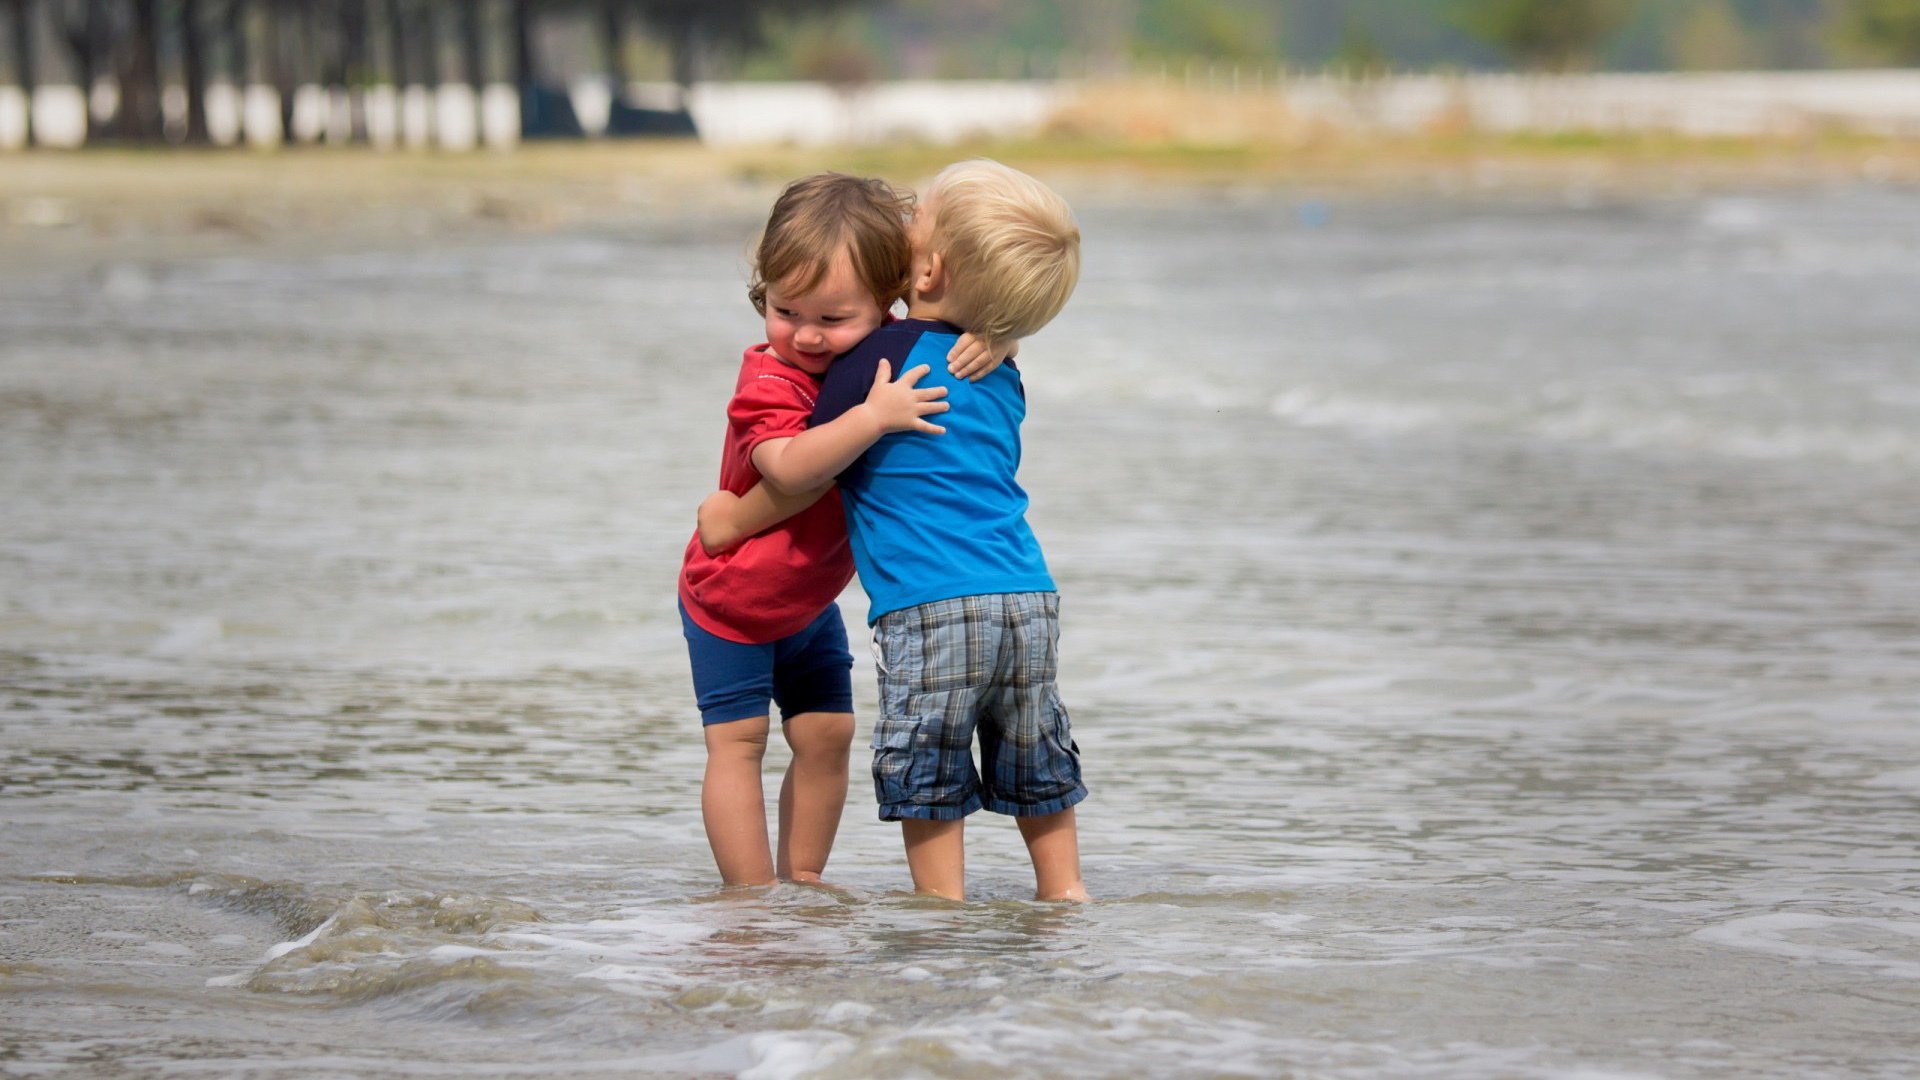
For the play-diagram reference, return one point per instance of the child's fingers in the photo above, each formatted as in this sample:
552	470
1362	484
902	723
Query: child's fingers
883	372
929	393
929	427
914	374
928	407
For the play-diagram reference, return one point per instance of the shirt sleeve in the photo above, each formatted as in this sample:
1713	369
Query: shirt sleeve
770	406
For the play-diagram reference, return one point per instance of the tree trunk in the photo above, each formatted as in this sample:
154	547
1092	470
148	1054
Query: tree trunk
684	68
90	41
284	32
320	65
195	63
397	45
473	46
236	34
613	38
523	73
21	21
431	68
350	22
140	118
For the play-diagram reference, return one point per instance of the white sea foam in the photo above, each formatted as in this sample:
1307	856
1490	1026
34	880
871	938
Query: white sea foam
1901	779
785	1055
184	637
283	948
1623	424
1796	936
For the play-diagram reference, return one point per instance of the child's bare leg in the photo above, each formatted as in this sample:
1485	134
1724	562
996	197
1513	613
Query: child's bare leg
813	793
733	804
1053	841
937	856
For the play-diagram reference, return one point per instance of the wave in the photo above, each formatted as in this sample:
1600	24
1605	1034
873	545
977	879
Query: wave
1623	426
1889	947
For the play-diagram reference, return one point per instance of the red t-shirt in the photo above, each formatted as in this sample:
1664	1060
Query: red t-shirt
775	583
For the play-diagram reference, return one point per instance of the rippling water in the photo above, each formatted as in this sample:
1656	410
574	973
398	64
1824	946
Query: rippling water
1493	633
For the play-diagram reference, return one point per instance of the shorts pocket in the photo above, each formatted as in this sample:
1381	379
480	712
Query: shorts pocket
1060	775
893	761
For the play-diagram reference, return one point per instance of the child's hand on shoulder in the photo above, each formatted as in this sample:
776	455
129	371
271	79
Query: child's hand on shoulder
972	358
899	405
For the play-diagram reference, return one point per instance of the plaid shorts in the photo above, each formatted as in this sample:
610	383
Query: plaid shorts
982	664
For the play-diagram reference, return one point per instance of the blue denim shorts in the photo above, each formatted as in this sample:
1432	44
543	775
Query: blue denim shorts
807	671
952	669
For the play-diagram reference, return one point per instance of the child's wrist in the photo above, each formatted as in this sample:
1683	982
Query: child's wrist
871	420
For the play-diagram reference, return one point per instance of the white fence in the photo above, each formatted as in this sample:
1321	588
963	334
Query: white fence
1733	103
1760	103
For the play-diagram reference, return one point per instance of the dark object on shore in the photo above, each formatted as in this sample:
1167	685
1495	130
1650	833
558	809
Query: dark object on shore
625	121
547	113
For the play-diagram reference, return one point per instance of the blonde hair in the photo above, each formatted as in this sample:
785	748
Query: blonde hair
819	216
1011	247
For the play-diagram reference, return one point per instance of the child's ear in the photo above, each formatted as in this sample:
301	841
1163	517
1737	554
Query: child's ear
933	276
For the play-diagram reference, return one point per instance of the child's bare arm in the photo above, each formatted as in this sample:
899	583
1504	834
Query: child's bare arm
726	519
971	358
811	460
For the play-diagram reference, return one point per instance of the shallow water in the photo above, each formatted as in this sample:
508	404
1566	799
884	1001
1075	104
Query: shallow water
1493	634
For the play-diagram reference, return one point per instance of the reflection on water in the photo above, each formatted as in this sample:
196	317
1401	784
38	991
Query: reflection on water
1493	634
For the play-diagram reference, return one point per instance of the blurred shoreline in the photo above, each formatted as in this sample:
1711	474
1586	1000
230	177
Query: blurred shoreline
59	209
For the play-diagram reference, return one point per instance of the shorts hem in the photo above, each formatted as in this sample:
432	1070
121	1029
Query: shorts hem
836	705
1039	809
920	812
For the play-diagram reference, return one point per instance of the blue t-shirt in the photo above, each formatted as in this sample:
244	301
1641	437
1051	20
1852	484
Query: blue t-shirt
932	517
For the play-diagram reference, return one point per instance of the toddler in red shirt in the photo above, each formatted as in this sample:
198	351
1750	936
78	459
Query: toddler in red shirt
760	618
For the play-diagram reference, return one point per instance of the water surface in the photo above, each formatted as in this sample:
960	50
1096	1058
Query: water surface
1493	634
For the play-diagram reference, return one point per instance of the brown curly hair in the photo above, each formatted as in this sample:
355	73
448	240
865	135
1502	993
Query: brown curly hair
819	216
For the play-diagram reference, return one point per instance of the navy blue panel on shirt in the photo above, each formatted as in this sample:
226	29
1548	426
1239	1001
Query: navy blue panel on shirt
850	378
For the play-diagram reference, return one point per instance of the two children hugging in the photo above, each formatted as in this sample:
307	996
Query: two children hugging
831	464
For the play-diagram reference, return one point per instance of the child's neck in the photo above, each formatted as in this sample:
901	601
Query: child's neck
943	310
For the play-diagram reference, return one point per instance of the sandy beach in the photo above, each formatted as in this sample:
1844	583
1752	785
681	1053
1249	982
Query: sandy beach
66	208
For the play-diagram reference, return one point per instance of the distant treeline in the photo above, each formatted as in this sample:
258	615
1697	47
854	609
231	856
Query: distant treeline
462	71
969	38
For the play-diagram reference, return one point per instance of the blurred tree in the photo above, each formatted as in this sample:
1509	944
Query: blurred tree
1887	29
16	59
613	39
139	117
1208	30
1102	30
1360	52
193	70
87	29
837	58
473	46
690	28
1711	36
1546	35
